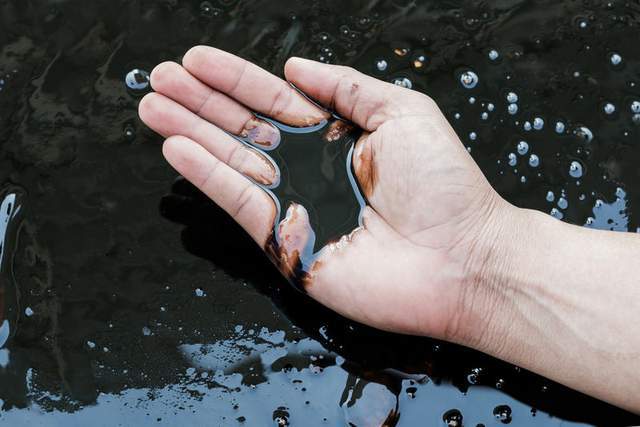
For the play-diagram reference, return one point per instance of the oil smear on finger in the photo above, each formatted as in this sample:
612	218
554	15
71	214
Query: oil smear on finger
317	197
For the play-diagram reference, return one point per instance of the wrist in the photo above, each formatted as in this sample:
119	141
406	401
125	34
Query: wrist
491	292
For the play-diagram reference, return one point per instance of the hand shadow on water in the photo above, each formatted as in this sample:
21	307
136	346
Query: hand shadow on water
370	354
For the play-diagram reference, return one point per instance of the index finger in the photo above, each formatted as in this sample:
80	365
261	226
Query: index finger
252	86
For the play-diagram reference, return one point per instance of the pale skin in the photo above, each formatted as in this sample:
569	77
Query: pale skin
440	254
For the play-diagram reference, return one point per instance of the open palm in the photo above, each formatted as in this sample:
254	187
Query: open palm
410	268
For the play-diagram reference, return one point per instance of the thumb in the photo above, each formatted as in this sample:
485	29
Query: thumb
364	100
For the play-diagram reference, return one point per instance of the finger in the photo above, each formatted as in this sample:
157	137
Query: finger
245	202
366	101
252	86
357	257
173	81
295	240
170	118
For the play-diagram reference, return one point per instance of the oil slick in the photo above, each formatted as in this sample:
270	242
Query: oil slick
317	197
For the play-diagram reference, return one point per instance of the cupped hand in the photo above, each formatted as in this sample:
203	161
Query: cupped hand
429	228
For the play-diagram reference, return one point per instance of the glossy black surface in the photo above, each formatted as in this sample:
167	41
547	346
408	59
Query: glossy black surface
132	301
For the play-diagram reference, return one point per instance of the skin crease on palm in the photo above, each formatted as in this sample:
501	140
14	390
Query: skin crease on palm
440	253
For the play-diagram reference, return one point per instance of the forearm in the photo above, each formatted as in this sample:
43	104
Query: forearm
569	305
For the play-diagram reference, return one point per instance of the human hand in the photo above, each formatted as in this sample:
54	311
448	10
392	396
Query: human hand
431	220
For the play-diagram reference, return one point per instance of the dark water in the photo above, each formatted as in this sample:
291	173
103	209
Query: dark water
130	300
316	180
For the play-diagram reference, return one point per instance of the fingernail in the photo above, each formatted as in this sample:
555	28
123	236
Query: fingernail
261	133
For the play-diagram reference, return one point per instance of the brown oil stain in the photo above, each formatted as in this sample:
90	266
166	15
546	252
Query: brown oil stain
261	132
365	166
266	174
337	130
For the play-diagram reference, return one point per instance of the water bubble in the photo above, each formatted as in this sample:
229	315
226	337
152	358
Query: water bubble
575	169
381	65
560	127
527	126
550	196
563	203
452	418
129	132
484	116
473	136
523	179
91	344
513	160
401	51
512	98
207	10
199	293
28	312
500	384
635	107
534	161
490	107
472	100
146	331
281	416
512	108
137	81
403	82
457	116
522	148
538	123
636	118
419	61
616	59
469	79
474	376
493	54
411	392
502	413
556	213
584	133
609	108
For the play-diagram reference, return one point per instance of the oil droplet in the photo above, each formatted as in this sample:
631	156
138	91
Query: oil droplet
473	136
490	107
452	418
635	107
469	79
419	61
512	98
560	127
502	413
527	126
281	416
534	161
493	54
199	293
513	109
381	65
484	116
522	148
28	312
137	81
500	384
575	169
513	160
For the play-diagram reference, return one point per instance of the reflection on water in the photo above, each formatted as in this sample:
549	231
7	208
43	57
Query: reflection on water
256	376
107	317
